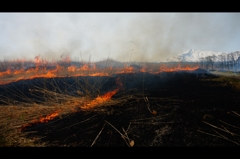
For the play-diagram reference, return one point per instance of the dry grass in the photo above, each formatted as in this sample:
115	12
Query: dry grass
221	129
15	114
13	118
228	78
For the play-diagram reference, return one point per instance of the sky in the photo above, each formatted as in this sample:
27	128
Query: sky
123	36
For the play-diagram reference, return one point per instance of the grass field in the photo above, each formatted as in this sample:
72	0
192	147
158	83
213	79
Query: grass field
179	108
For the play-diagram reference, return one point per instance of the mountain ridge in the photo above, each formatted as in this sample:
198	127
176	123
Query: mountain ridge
194	55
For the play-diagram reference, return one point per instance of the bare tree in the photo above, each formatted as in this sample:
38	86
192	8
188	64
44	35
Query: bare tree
225	60
233	57
210	60
237	60
228	61
221	58
202	62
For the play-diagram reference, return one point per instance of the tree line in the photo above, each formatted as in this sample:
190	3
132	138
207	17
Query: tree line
223	62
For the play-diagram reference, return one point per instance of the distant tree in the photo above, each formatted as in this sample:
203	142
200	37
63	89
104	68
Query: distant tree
237	60
225	60
233	59
222	59
202	62
228	61
210	60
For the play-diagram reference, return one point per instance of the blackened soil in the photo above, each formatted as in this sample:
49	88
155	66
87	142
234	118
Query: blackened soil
192	110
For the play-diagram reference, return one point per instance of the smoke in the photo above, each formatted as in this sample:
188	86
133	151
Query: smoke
120	36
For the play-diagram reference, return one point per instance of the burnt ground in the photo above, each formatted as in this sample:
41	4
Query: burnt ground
184	102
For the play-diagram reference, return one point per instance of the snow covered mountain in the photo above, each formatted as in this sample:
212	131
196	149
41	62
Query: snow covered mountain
194	55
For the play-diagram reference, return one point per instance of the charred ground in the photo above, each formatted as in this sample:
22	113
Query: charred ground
184	108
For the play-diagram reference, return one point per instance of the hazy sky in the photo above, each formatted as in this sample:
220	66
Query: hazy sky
120	36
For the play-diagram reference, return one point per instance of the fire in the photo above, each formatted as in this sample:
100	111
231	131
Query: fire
126	69
164	68
99	74
143	70
41	120
49	117
103	98
40	70
38	62
7	72
84	67
37	59
18	72
72	68
100	99
96	102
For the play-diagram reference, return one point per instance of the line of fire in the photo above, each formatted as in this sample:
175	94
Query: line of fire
18	70
112	103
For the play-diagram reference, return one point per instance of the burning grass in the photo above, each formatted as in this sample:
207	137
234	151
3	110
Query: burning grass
129	106
15	119
43	69
47	103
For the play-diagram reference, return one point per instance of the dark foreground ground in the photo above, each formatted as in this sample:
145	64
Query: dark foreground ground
168	109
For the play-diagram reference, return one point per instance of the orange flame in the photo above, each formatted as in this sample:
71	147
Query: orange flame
37	59
144	69
73	71
48	117
103	98
72	68
100	99
18	72
7	72
179	68
41	120
84	67
97	101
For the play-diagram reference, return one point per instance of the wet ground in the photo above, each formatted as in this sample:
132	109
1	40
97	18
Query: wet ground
168	109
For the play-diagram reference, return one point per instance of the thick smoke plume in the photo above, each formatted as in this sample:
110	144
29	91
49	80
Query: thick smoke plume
120	36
